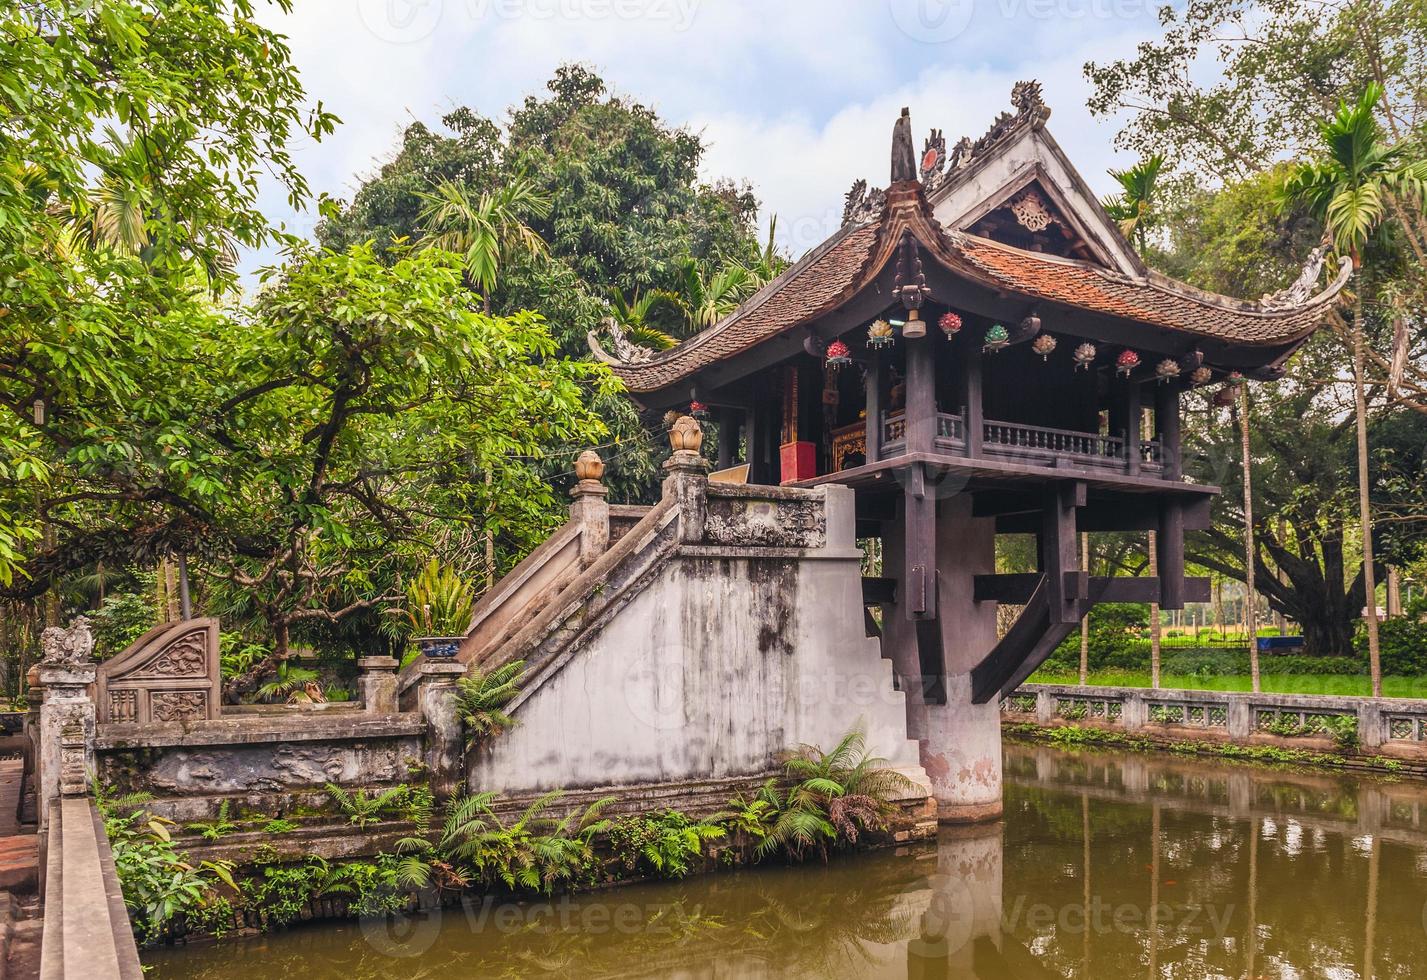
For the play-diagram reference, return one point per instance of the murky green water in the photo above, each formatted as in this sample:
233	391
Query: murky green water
1106	865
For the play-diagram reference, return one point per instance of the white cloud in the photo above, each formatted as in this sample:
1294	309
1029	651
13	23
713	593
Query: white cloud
797	97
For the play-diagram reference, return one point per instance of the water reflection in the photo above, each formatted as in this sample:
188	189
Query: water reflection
1106	865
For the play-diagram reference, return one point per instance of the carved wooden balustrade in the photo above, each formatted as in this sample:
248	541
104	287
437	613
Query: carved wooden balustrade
1030	444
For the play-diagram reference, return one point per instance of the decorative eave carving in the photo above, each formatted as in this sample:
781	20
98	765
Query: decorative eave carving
862	205
1301	290
66	649
625	350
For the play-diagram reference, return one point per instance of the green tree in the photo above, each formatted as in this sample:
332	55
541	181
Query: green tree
1136	207
485	229
129	133
1349	188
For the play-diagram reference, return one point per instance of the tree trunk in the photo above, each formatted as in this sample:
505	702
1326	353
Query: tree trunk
1085	620
1250	619
1154	615
1364	505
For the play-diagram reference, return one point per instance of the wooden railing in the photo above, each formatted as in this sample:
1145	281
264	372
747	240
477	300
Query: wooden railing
1028	443
1008	438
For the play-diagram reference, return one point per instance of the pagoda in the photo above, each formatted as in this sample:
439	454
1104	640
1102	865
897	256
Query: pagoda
978	350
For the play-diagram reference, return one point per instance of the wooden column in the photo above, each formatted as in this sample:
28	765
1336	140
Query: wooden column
1171	555
757	441
1166	420
1058	551
921	394
1134	422
727	437
873	385
919	590
973	413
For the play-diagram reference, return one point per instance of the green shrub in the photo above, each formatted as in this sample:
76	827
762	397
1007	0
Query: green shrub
1403	643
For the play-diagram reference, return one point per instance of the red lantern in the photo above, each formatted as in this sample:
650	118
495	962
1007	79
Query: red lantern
698	410
1127	362
950	324
838	354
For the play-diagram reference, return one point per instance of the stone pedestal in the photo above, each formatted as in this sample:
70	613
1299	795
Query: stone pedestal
66	733
960	741
445	738
376	684
590	509
687	483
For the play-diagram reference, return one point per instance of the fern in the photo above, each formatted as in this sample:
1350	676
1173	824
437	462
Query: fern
221	827
480	698
361	809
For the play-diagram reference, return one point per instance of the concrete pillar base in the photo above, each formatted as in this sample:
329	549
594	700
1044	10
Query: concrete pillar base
960	814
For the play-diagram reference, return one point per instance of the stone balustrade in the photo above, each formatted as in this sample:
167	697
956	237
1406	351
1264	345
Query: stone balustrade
1394	727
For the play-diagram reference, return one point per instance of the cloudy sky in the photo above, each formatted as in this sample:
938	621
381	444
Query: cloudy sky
796	96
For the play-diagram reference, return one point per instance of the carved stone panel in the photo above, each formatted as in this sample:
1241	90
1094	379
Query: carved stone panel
751	522
170	674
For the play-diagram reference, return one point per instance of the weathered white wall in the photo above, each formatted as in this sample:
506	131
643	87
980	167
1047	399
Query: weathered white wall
728	658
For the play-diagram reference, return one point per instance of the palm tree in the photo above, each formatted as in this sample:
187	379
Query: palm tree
1349	189
633	316
706	297
485	230
1134	207
768	264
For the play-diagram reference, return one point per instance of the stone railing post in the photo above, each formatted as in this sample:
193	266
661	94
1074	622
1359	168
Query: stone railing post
1045	707
590	509
1239	717
376	683
1370	726
445	740
1133	711
65	750
688	482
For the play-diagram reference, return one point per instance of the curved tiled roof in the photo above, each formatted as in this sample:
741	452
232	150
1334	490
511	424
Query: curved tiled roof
839	268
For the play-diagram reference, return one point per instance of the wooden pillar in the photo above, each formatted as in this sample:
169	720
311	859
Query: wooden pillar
727	437
1058	551
973	412
921	394
873	406
1134	423
919	591
756	439
1171	555
1166	420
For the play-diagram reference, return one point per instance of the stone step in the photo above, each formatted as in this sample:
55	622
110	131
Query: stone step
20	863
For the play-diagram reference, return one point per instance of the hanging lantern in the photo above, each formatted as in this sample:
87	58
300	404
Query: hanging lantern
997	338
1084	356
880	335
1201	375
1126	362
1043	345
1234	378
1167	369
838	355
698	410
1224	397
950	324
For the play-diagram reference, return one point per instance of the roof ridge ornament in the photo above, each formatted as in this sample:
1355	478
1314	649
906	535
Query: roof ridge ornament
862	205
1302	288
904	161
625	350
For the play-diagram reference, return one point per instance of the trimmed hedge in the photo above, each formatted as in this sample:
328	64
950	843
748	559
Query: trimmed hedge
1403	644
1209	661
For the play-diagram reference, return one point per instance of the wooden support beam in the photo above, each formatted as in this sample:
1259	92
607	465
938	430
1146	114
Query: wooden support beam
873	387
998	503
1171	554
921	394
1132	512
727	437
1134	420
1017	589
919	523
973	413
1030	640
1166	414
1058	548
932	661
878	590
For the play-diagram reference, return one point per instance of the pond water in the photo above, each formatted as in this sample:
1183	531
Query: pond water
1106	865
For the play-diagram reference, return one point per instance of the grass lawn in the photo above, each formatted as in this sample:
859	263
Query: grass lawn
1392	687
